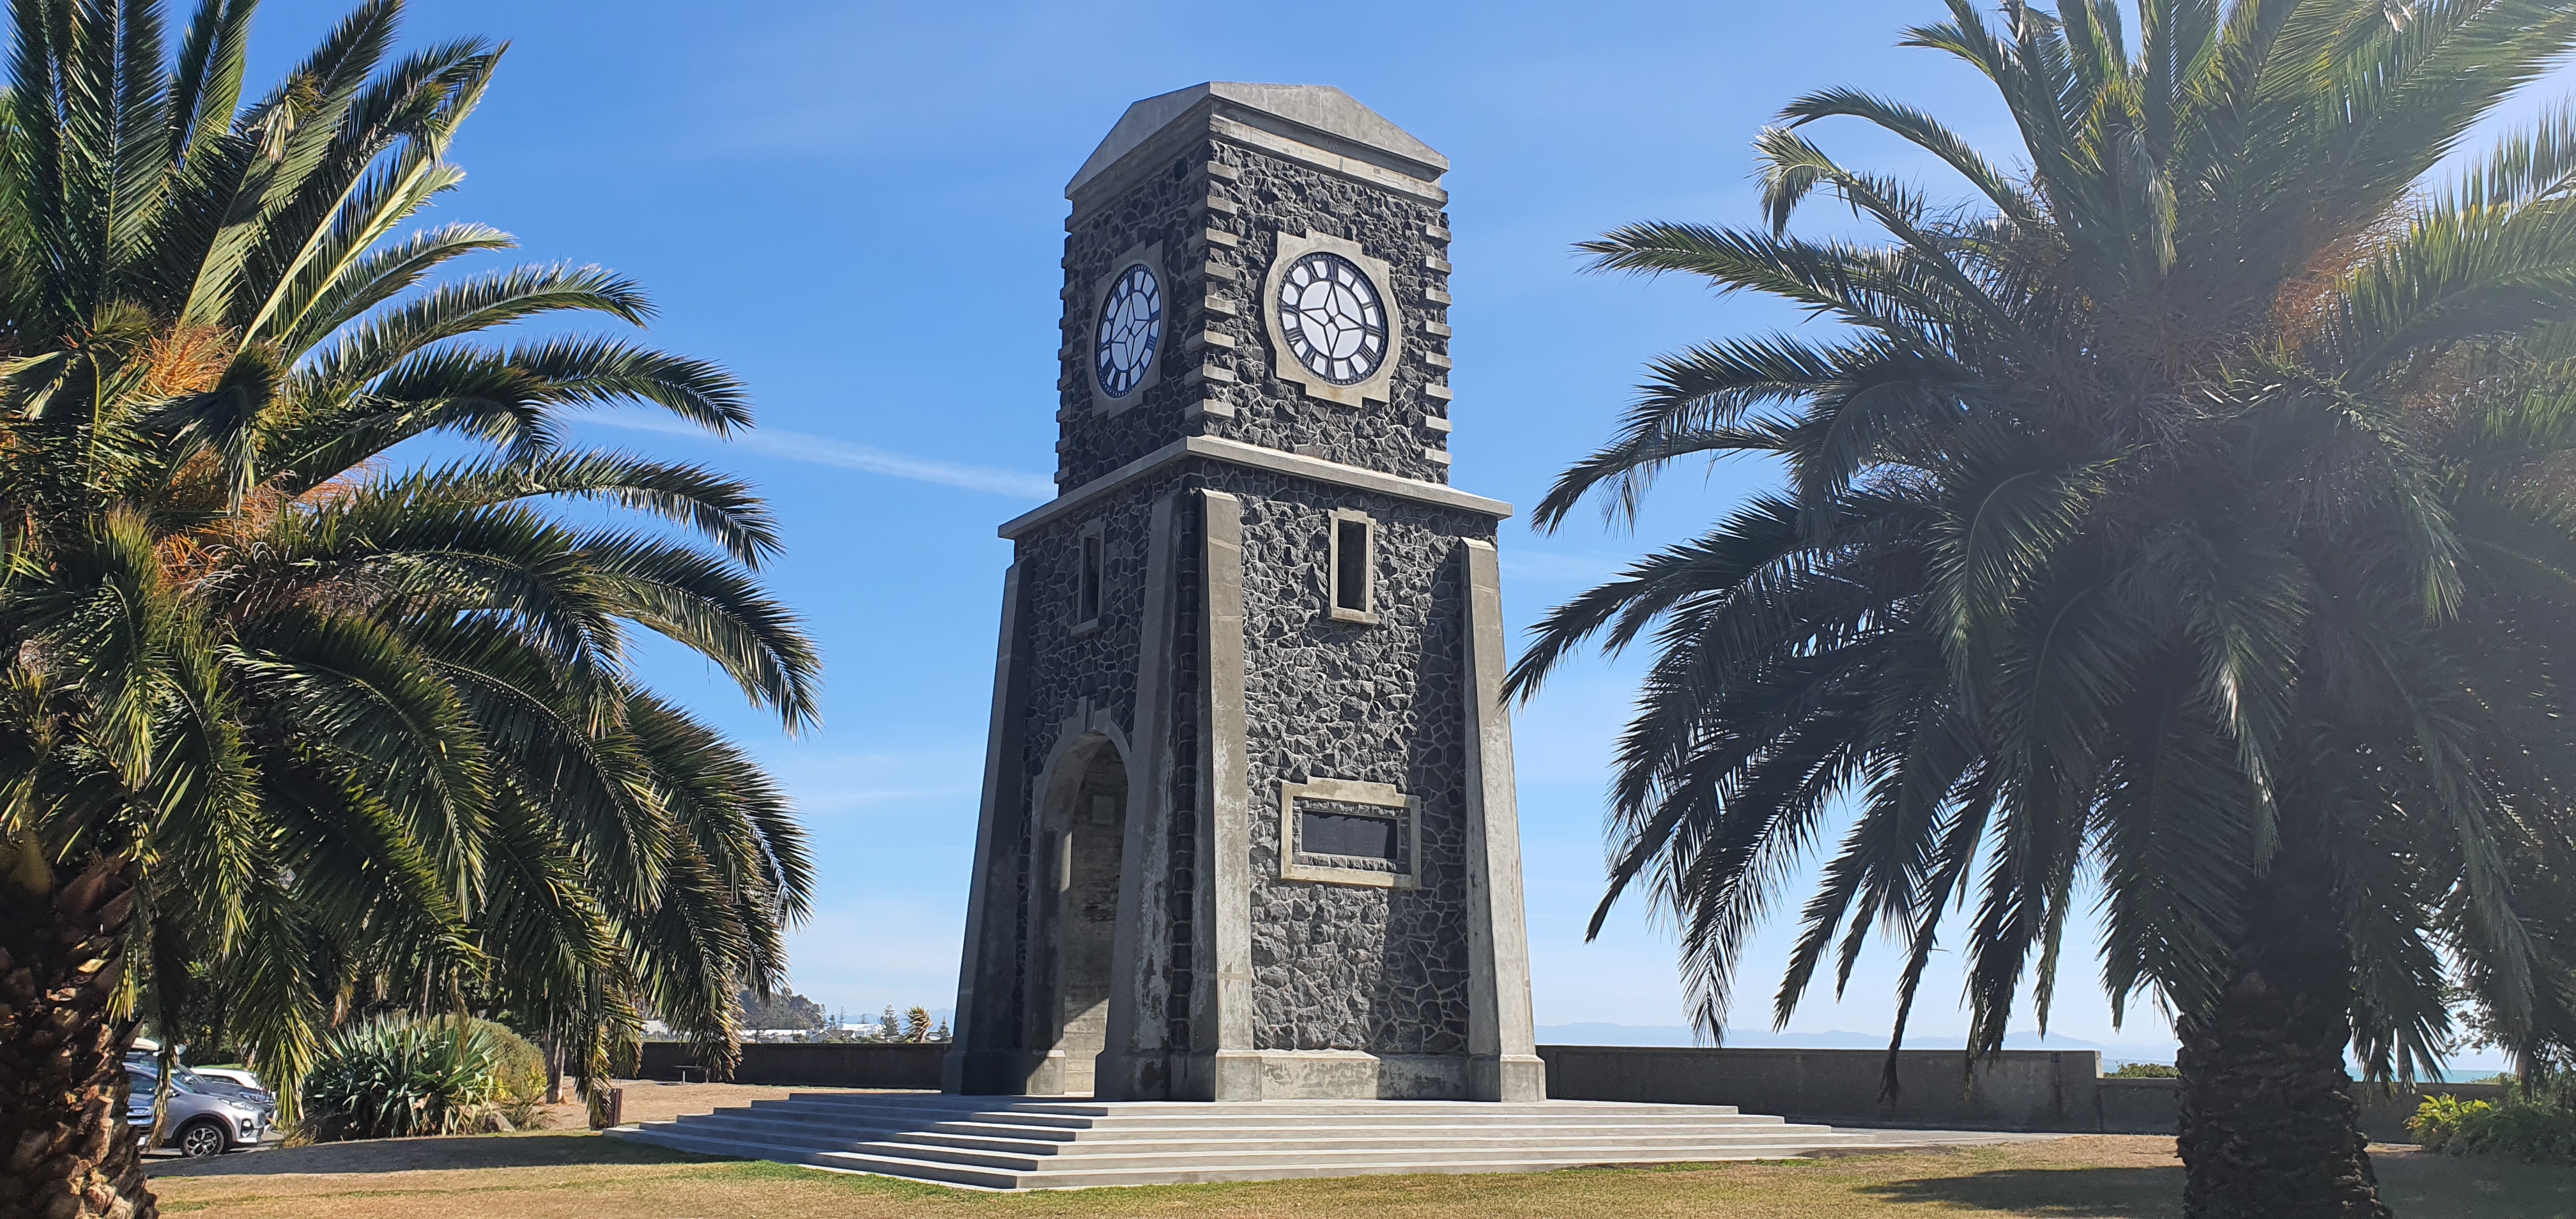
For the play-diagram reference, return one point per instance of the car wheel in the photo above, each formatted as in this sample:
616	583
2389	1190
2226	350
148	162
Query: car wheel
202	1138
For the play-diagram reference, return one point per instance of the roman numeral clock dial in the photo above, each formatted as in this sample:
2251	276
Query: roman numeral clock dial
1332	318
1130	332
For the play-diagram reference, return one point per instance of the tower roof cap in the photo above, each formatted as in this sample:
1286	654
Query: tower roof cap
1316	114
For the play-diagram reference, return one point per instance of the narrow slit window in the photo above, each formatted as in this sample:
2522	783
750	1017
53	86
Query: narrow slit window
1086	608
1353	583
1354	567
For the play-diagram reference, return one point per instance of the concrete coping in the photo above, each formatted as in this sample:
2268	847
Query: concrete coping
1217	448
1320	115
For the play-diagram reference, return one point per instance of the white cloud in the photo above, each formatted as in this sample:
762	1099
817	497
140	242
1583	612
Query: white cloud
1562	567
829	783
825	451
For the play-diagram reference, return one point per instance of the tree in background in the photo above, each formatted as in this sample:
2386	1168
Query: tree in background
339	727
782	1008
2187	510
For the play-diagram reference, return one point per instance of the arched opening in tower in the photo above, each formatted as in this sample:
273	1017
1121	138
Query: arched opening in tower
1089	830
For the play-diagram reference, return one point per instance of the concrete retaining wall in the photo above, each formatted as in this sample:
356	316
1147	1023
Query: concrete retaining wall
2044	1090
2015	1090
820	1064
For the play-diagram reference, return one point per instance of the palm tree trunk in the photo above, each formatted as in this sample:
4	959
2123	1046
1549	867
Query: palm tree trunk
2269	1125
554	1070
65	1149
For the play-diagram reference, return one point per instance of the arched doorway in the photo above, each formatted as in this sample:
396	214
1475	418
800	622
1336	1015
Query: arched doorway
1087	828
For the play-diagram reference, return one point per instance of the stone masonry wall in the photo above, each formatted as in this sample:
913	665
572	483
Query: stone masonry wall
1066	666
1345	967
1270	194
1277	414
1339	967
1159	208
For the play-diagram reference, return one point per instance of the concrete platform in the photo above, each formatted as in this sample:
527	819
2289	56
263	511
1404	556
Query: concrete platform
1001	1143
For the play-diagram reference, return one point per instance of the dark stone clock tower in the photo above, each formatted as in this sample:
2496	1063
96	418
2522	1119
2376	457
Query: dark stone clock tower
1248	826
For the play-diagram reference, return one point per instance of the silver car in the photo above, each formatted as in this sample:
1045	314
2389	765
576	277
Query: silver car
206	1117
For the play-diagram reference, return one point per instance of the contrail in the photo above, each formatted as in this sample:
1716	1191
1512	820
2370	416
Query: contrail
825	451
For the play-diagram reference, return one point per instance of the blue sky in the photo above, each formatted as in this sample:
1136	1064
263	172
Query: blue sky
858	207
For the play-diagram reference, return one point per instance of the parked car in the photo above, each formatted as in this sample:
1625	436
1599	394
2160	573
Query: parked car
207	1117
232	1075
221	1081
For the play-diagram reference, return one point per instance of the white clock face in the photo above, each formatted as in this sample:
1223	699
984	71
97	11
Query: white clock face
1131	331
1332	318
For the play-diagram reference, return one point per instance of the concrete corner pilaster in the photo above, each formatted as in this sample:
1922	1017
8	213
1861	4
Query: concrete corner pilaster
1222	1066
1501	1036
1134	1063
984	1020
1510	1078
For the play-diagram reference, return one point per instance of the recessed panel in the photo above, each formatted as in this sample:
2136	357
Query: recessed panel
1352	836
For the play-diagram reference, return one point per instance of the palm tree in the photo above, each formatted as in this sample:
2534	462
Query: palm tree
2184	513
335	724
2543	873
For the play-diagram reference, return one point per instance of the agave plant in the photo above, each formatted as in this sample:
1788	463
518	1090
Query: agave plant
2186	508
337	723
400	1076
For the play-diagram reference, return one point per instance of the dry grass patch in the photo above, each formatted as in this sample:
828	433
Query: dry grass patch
562	1175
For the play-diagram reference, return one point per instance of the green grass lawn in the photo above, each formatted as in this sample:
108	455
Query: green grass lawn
550	1175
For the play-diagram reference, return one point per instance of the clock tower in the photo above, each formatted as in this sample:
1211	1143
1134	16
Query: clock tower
1248	826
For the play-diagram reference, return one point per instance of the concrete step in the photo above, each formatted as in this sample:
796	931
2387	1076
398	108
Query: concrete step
1228	1119
892	1166
1230	1158
1439	1139
1126	1109
1351	1108
1328	1168
1043	1141
1296	1127
1214	1118
915	1115
1015	1171
1022	1156
975	1143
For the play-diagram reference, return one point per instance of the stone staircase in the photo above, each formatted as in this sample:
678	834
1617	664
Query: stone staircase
1011	1144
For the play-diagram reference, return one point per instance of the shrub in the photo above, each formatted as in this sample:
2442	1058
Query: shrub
521	1072
399	1076
2145	1070
2436	1123
2536	1133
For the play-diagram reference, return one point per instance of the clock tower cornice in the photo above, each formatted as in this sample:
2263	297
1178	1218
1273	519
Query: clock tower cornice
1317	126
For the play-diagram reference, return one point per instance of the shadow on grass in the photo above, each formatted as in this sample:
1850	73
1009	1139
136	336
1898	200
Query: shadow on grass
2417	1185
2421	1185
541	1149
2073	1193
